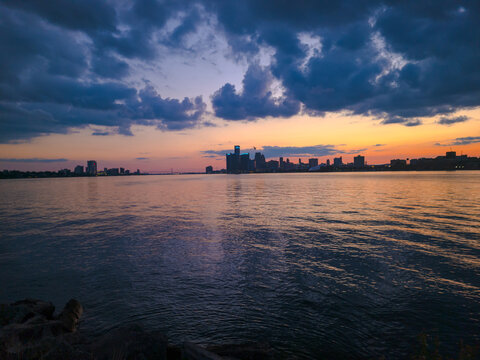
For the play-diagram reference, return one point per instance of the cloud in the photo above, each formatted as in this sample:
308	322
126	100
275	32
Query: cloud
77	15
101	133
67	71
57	106
467	140
73	64
277	151
401	120
142	158
405	60
32	160
256	99
175	114
316	150
379	145
452	120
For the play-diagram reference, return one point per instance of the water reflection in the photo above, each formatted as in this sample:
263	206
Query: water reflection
332	265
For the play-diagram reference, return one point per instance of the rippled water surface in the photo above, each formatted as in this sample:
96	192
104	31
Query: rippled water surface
318	265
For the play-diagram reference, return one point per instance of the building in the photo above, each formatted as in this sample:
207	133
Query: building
113	172
260	163
272	165
122	171
238	163
233	161
359	161
282	164
91	168
78	170
244	162
64	172
312	162
209	169
398	164
328	162
451	155
337	161
288	165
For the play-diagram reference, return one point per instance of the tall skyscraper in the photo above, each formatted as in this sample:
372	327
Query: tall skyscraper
233	161
91	167
337	161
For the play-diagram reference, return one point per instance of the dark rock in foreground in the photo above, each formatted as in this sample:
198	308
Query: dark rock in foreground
29	330
130	342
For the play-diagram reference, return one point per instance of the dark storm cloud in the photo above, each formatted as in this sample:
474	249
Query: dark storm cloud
67	63
256	99
401	60
176	114
72	14
62	66
108	66
452	120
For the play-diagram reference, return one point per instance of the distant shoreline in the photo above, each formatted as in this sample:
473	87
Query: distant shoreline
43	175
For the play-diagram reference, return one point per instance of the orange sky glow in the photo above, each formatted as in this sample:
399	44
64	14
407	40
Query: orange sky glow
181	151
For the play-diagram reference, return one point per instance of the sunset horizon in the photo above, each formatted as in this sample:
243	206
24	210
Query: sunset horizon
239	179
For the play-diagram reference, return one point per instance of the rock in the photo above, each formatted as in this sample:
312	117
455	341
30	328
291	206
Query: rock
70	315
65	350
192	351
29	330
130	342
22	311
248	351
174	352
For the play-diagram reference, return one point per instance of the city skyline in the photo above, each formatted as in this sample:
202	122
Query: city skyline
354	160
152	85
238	162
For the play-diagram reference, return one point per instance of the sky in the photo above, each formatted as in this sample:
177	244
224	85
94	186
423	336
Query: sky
173	85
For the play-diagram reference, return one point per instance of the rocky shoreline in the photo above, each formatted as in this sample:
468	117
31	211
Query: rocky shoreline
29	329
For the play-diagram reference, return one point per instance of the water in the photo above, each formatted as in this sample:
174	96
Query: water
351	265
